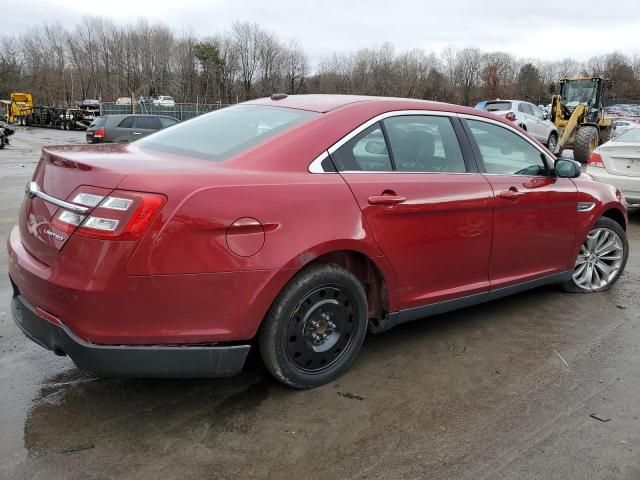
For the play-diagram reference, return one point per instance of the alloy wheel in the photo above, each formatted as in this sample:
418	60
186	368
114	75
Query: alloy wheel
599	260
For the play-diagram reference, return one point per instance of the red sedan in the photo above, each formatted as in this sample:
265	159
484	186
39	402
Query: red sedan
296	224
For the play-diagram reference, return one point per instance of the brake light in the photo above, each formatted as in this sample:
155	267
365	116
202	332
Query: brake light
595	160
510	116
122	215
99	133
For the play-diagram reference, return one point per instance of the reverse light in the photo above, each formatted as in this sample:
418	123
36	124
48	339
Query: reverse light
87	199
595	160
67	221
98	223
115	203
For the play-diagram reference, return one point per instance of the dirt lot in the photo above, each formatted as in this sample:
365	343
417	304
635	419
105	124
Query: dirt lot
477	394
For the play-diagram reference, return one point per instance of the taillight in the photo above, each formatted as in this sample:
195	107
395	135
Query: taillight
595	160
510	116
122	215
99	133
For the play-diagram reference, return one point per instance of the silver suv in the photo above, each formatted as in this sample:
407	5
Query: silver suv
527	116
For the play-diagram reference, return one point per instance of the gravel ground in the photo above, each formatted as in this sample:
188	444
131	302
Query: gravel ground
477	394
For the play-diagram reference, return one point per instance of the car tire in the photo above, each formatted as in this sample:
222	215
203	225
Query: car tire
613	228
315	328
587	139
552	142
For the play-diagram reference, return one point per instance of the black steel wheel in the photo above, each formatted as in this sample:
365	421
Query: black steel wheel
316	327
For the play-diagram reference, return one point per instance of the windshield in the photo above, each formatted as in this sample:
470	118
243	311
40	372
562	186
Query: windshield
220	135
575	92
630	136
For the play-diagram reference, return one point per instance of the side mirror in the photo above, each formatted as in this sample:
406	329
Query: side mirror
567	168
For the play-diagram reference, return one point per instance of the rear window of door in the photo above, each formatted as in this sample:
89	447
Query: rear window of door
524	108
147	123
366	151
126	123
167	122
422	143
504	152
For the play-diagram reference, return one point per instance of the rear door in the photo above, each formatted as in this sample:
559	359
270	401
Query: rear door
144	125
120	132
535	212
428	208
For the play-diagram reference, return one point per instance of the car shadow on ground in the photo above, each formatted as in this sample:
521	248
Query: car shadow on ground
76	409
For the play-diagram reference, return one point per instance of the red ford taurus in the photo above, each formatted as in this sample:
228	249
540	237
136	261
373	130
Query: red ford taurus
296	224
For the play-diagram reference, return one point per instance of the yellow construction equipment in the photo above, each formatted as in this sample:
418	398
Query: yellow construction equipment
20	107
578	113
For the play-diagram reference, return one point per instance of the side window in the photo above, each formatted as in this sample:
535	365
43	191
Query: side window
421	143
521	108
366	151
147	123
126	123
167	122
505	152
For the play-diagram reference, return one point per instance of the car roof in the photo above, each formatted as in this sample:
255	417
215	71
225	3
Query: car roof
323	103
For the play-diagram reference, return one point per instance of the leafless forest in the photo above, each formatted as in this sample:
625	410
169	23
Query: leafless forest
99	59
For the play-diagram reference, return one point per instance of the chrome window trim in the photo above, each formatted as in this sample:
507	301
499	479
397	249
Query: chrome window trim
316	163
33	190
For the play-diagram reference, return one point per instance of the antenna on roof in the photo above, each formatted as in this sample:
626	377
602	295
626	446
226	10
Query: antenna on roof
279	96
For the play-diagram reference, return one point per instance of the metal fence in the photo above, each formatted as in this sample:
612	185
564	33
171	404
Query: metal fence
181	111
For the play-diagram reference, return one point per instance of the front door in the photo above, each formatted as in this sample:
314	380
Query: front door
430	213
535	212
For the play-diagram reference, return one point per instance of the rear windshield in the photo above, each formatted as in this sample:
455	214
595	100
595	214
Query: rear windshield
630	136
497	106
220	135
98	122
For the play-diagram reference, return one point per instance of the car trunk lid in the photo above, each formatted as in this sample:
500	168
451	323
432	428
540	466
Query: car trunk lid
61	173
621	158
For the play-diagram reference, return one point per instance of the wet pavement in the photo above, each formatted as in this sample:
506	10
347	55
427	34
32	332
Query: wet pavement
483	393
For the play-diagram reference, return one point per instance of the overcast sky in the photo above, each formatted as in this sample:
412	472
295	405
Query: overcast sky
534	28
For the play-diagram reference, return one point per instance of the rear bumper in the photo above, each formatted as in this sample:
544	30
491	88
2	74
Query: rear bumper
129	360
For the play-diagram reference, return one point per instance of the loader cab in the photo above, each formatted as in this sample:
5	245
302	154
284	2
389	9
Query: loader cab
586	91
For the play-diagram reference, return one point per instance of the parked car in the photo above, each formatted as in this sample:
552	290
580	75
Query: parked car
620	126
164	101
126	128
90	104
529	117
617	162
296	224
123	101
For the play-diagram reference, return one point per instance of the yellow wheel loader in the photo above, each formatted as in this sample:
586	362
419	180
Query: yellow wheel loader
578	114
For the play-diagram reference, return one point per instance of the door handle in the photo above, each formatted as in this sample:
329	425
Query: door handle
512	194
388	200
137	133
